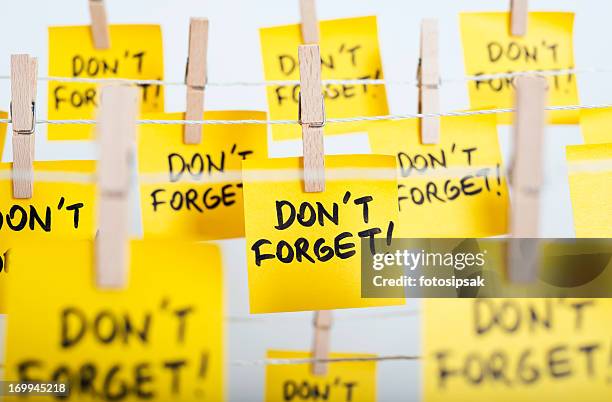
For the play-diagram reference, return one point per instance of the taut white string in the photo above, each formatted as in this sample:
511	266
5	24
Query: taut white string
332	120
266	362
366	81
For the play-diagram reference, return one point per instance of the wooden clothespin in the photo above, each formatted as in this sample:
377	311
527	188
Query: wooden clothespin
310	23
429	82
526	176
519	13
195	78
24	71
320	350
311	116
116	138
99	24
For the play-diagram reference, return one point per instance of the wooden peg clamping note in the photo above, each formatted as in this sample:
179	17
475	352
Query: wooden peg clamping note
310	23
519	13
195	78
24	71
320	349
100	31
116	138
311	116
429	82
526	177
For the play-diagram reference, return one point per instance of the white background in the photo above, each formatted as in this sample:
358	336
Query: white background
234	54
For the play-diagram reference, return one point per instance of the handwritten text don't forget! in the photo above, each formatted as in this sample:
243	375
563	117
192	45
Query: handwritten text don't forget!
133	378
315	214
345	58
101	66
512	53
192	168
472	180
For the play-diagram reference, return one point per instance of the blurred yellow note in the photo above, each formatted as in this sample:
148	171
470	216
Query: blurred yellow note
136	52
596	125
488	48
344	381
509	350
304	249
349	50
590	180
59	209
451	189
159	339
196	191
3	115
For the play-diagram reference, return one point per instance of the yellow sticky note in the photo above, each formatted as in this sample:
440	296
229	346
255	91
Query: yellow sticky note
596	125
344	381
196	190
590	180
451	189
304	249
508	350
136	52
488	48
59	209
160	338
3	115
349	50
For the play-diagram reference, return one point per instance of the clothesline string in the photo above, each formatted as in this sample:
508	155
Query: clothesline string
478	77
480	112
267	362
